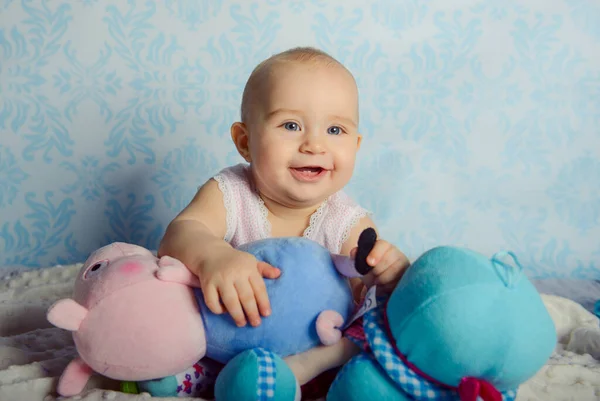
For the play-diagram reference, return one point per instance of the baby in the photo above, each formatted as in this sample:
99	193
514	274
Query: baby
299	134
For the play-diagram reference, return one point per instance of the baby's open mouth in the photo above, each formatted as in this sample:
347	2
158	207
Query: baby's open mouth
308	172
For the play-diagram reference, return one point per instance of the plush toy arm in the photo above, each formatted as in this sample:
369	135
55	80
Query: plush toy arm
172	270
74	378
329	325
66	314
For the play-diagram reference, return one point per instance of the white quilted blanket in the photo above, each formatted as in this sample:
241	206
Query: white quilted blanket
33	353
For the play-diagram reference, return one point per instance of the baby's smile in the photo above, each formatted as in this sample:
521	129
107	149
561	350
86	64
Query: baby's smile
308	173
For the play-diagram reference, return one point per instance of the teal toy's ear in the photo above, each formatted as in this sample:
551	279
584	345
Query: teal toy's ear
510	272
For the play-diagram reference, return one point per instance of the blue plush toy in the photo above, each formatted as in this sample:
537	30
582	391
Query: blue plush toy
458	326
308	285
309	282
311	301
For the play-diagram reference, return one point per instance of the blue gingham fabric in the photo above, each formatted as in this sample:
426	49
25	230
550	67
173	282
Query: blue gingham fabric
408	380
266	375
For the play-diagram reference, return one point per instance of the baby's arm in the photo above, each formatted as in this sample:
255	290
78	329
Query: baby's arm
310	364
226	275
198	230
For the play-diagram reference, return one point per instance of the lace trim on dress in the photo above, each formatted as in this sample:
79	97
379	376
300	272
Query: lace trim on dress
264	216
266	224
229	209
313	220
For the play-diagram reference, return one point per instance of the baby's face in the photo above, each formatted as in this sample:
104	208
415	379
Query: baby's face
304	133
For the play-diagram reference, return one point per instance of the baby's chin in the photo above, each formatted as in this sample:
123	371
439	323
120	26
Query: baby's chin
307	198
296	195
295	199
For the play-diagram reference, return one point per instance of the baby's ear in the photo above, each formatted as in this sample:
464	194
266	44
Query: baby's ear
240	137
66	314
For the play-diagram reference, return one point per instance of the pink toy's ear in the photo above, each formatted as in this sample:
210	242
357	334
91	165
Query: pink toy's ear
172	270
74	378
66	314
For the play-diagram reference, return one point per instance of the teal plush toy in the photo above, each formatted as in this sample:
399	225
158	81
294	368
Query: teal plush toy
458	326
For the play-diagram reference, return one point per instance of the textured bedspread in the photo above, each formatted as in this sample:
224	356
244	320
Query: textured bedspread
33	353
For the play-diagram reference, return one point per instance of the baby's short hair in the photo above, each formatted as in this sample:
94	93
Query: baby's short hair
296	54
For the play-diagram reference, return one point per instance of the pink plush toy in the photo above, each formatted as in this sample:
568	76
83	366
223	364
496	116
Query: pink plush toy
110	337
135	317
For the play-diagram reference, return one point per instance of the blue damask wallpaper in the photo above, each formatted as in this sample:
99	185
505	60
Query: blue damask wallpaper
481	118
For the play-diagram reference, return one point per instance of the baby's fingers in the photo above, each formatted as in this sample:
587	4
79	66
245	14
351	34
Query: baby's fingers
248	301
260	293
231	300
379	250
211	298
268	271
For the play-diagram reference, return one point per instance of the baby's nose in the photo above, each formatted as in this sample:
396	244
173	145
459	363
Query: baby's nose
312	144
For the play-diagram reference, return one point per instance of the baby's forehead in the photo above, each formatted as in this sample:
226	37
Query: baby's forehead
292	81
283	69
300	78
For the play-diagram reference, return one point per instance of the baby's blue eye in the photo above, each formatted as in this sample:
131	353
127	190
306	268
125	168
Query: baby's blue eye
291	126
334	130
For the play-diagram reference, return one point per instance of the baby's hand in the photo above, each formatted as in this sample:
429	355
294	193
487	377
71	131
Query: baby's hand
232	280
389	264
